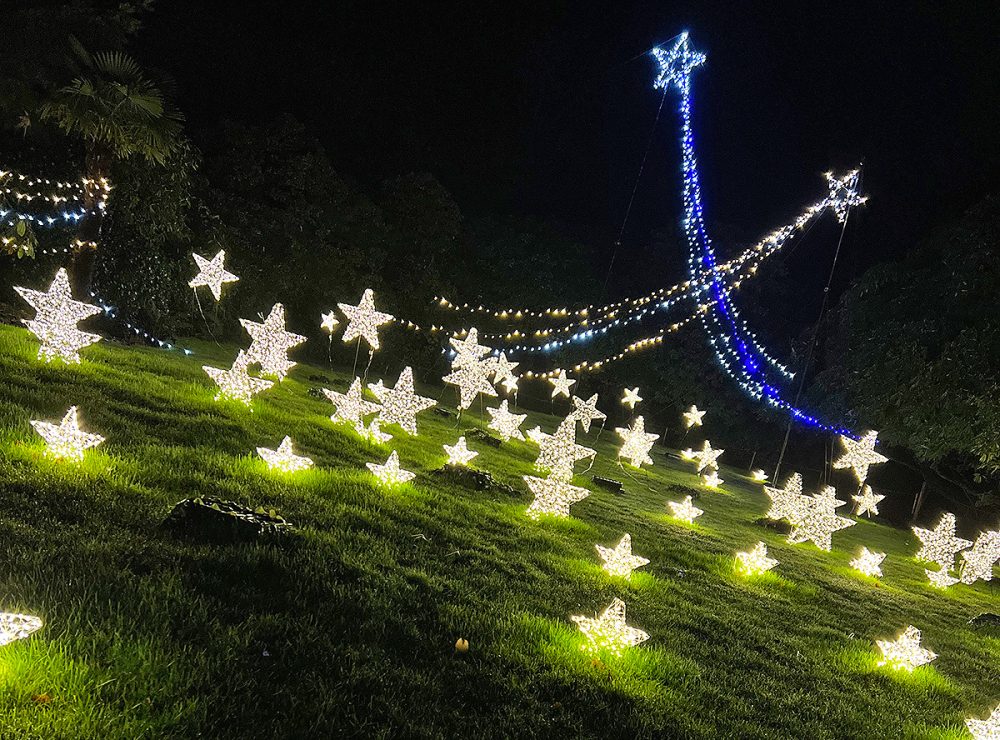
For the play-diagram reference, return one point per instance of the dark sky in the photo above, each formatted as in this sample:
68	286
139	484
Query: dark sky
546	108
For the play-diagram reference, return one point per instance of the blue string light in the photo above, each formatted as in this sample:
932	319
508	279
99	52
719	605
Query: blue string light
112	312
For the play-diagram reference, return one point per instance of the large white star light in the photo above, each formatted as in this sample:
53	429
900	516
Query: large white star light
859	455
817	519
17	626
284	458
631	397
636	443
787	501
470	369
561	384
940	544
56	316
271	343
390	474
676	64
586	411
502	371
351	407
559	452
236	383
905	653
459	453
363	320
609	632
65	440
684	510
212	273
552	496
985	729
505	423
400	404
940	578
869	563
979	561
755	561
619	560
867	502
844	193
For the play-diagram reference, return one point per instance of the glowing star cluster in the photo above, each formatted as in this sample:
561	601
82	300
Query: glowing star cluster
844	193
471	369
869	563
816	519
400	404
552	496
979	561
559	452
65	440
390	473
940	544
586	411
754	562
459	454
609	632
271	343
619	560
284	458
859	455
693	417
351	407
631	397
636	443
985	729
363	320
56	317
561	384
212	273
17	626
502	371
236	383
684	510
867	502
505	423
905	653
786	502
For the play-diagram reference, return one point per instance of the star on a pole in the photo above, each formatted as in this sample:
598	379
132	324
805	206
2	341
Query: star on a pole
400	405
505	423
552	496
559	452
636	443
502	371
940	545
56	317
235	383
459	453
329	322
609	632
390	473
631	397
985	729
905	652
212	273
65	440
859	455
352	406
586	411
676	64
619	560
693	417
363	320
844	193
561	384
706	457
271	343
867	502
469	351
284	458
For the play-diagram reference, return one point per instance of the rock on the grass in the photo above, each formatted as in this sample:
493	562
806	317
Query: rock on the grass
485	437
479	480
610	484
223	522
986	619
778	525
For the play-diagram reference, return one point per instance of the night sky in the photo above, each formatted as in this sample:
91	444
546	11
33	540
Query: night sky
546	108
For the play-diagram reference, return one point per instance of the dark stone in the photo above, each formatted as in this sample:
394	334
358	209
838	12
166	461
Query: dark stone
482	436
317	378
479	480
610	484
316	392
986	619
444	411
778	525
223	522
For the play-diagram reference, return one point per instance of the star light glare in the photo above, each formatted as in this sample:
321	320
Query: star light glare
284	458
609	632
390	473
904	653
619	560
65	440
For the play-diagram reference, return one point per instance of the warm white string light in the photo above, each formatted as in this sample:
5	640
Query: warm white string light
65	440
609	632
619	560
212	273
905	653
284	458
56	317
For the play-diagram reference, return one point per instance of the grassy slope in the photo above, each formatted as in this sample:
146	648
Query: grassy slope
349	627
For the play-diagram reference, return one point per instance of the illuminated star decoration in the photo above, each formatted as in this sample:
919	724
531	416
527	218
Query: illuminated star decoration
502	371
390	473
755	561
940	578
552	496
817	519
65	440
687	454
712	479
758	476
985	729
979	561
636	443
400	405
363	320
459	453
859	454
685	510
559	452
506	424
844	193
56	316
786	501
869	563
271	343
609	632
469	370
631	397
693	417
561	384
284	458
940	544
867	502
212	273
373	432
706	457
586	411
352	406
619	560
905	653
235	383
329	322
17	626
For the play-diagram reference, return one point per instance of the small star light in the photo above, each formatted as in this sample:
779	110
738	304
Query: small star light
979	561
869	563
400	405
283	458
940	578
985	729
506	424
503	372
329	322
459	453
859	454
552	496
786	502
712	479
373	432
905	653
235	383
940	544
867	502
844	193
619	560
65	440
631	397
17	626
636	443
758	476
816	519
684	510
586	411
212	273
271	343
363	320
687	454
755	561
706	457
561	384
56	316
559	452
352	406
693	417
609	632
390	473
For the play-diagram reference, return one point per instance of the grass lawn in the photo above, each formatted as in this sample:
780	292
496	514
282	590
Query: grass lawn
348	627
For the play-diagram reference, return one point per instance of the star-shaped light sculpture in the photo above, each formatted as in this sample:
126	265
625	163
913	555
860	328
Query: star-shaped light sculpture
236	383
329	322
609	632
687	454
979	561
271	343
869	563
684	510
758	476
284	458
676	64
65	440
787	501
940	545
711	479
17	626
706	457
561	384
459	453
471	381
552	496
844	193
559	452
867	502
817	519
619	560
693	417
390	473
351	407
940	578
756	561
631	397
56	317
859	454
536	435
985	729
502	371
904	653
636	443
373	432
469	351
363	320
505	423
400	404
212	273
586	411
